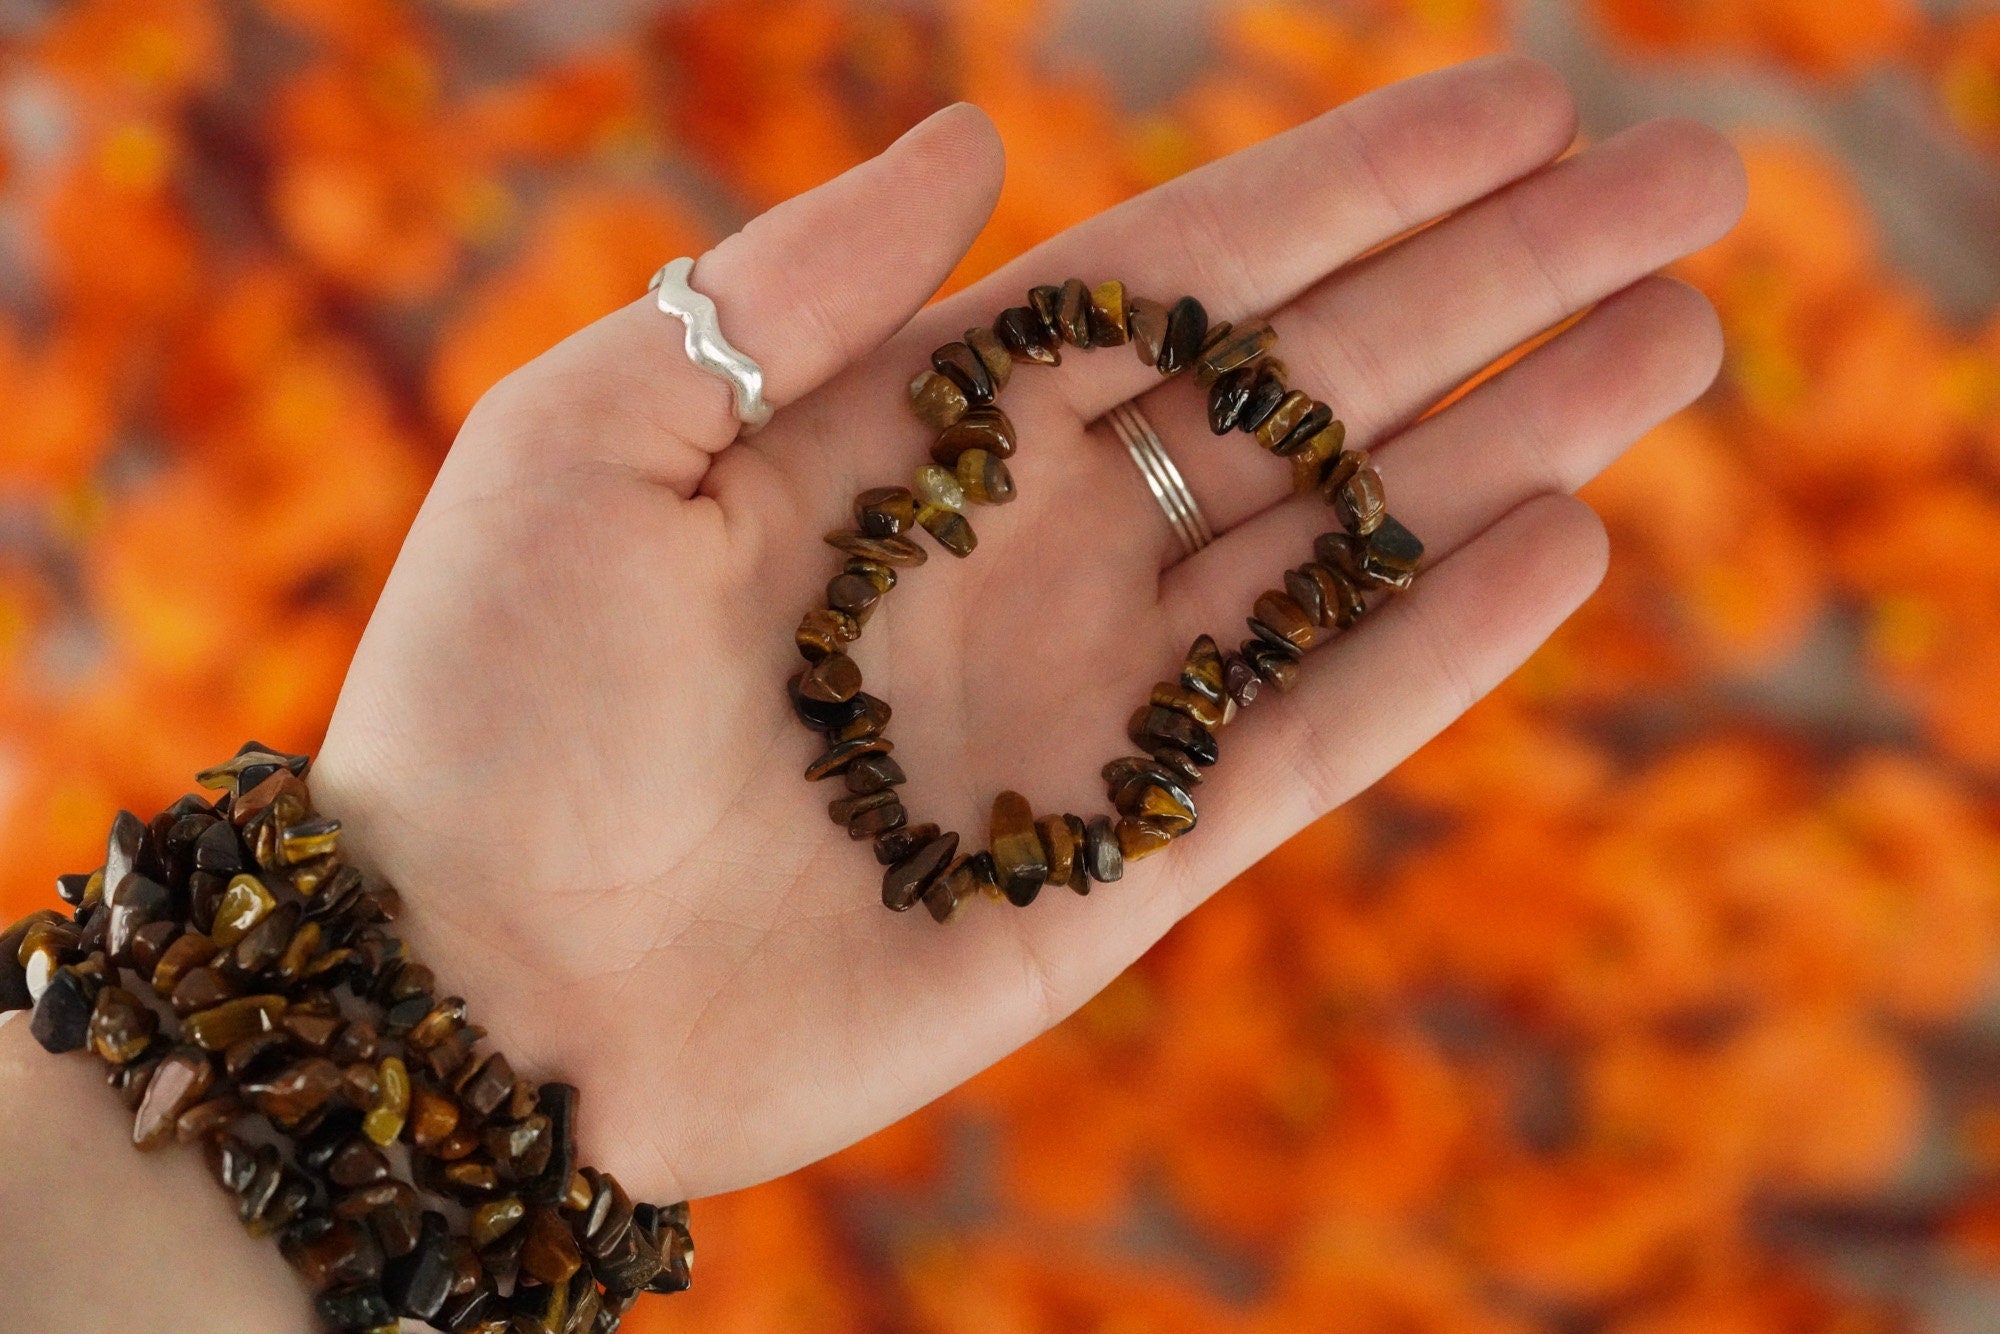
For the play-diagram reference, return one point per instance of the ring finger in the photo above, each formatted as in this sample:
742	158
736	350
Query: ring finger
1383	339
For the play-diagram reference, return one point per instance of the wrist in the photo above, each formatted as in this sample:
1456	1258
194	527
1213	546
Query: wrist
304	1046
96	1235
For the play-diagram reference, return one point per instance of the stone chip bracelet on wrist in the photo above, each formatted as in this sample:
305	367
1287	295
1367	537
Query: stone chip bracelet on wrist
1247	390
240	981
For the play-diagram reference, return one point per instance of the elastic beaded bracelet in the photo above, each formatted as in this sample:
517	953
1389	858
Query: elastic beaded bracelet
238	978
1175	728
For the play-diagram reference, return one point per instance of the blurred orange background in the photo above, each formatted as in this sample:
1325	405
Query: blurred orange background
1658	995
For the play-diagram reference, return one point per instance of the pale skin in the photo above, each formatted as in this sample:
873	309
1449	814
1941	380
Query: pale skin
565	734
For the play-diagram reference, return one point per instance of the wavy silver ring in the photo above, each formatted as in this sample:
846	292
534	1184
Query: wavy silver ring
706	347
1163	479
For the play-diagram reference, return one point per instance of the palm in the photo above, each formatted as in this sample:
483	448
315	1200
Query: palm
566	735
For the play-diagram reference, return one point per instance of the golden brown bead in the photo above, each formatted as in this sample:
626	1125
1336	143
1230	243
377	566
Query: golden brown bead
1312	459
984	478
1024	336
201	989
993	354
1193	703
1267	391
331	1254
900	843
876	814
1020	864
962	366
1390	554
893	550
384	1121
951	529
315	837
872	773
843	753
1151	726
1158	802
1240	679
358	1163
244	904
1340	551
180	1081
1059	848
1277	665
843	809
550	1252
120	1025
222	1026
968	877
1046	301
1278	611
1337	595
208	1119
851	595
1202	670
457	1145
496	1218
1336	474
1146	324
907	880
1139	839
301	953
834	679
265	943
821	633
1227	398
883	577
1073	313
1318	417
989	429
937	400
1106	318
1344	603
295	1092
1359	504
1303	589
190	950
1289	413
484	1083
884	511
1242	345
433	1117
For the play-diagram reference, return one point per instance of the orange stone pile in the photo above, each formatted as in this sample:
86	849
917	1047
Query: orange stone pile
1653	997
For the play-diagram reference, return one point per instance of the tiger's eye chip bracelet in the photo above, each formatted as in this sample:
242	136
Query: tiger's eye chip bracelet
1174	729
239	980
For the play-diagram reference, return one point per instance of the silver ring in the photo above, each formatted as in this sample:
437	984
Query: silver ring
1163	479
706	347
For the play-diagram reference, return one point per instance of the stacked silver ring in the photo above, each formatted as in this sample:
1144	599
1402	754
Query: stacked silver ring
1163	479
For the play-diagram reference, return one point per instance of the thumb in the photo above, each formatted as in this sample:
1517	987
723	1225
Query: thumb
803	290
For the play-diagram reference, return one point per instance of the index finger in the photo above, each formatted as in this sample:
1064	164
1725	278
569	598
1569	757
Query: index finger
1249	232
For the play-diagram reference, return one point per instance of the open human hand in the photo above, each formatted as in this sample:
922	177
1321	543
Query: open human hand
565	735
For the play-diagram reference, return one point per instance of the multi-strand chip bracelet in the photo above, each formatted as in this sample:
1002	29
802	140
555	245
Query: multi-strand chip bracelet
240	980
1175	728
